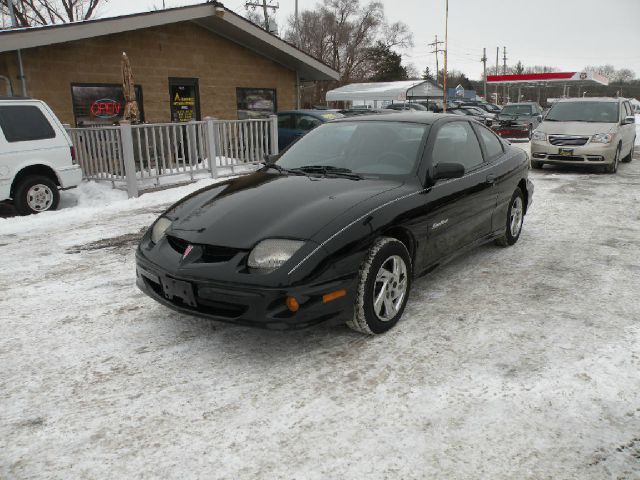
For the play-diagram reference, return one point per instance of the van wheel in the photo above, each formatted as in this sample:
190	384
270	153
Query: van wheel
36	194
629	157
383	287
515	218
613	168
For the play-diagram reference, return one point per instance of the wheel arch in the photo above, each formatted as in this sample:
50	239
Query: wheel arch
522	184
406	237
32	170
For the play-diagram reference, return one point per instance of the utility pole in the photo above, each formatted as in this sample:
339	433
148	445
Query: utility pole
446	48
296	13
265	9
436	50
504	72
14	23
484	63
497	72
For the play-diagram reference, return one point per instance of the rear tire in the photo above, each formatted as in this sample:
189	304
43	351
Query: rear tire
36	194
629	157
515	219
383	287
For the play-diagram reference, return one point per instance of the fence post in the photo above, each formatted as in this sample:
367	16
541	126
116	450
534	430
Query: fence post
274	134
126	136
211	145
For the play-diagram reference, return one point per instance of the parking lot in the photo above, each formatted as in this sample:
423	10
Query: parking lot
509	363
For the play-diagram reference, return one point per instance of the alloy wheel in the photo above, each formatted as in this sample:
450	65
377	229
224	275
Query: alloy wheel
515	220
390	288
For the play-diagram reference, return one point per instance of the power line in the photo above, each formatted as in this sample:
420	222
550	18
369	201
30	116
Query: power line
265	9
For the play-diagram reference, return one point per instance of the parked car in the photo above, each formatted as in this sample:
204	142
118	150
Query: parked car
406	106
295	124
518	120
352	112
37	157
475	112
336	228
585	131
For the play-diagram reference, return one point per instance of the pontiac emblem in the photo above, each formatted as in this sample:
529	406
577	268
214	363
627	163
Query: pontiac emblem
187	251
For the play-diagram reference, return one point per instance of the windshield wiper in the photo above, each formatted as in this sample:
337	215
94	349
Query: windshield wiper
282	170
329	170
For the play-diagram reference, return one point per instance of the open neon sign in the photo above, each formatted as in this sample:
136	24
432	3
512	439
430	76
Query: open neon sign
106	108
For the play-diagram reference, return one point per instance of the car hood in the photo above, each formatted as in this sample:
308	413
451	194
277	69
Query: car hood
519	118
575	128
240	212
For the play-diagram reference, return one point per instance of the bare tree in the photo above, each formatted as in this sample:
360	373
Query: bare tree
31	13
342	33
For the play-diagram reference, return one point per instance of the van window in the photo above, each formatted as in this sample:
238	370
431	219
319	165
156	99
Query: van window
23	123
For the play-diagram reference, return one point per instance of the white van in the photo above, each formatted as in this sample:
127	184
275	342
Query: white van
36	156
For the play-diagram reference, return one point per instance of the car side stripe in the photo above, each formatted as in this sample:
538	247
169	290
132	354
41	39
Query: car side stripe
350	225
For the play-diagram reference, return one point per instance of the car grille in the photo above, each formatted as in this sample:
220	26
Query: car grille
567	140
210	253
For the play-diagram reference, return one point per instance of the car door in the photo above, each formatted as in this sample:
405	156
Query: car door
459	211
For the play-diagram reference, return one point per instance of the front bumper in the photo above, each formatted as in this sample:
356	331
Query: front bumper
589	154
244	304
512	132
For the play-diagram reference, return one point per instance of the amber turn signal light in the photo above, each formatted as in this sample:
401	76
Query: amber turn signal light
292	304
330	297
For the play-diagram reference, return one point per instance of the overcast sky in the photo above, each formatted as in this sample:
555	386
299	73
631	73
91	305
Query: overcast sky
567	34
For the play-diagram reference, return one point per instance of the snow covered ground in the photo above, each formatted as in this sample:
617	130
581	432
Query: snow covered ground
519	363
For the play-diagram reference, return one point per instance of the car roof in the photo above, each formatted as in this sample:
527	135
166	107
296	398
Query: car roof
521	103
426	118
591	99
309	111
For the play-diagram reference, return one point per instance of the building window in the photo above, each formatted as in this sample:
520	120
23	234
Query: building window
184	99
100	103
256	102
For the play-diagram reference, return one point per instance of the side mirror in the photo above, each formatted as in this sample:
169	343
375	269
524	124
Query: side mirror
628	120
539	118
448	170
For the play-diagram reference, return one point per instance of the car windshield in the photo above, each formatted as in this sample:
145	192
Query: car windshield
365	148
516	110
600	112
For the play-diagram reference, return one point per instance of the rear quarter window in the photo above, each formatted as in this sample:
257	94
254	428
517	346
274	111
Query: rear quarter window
24	123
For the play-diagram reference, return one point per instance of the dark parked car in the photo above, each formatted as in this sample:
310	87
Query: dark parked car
406	106
336	229
518	120
297	123
475	112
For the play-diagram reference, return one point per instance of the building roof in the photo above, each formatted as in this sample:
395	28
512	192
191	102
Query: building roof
563	77
390	91
211	16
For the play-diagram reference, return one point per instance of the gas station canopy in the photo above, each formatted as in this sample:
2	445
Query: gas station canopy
560	77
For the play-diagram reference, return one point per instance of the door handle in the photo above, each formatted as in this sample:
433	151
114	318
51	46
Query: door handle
491	178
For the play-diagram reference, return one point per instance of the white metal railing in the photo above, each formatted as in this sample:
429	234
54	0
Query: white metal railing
132	155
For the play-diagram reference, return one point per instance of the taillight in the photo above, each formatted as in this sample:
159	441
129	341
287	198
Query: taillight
73	154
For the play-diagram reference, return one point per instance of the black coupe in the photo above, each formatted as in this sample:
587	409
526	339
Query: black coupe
337	227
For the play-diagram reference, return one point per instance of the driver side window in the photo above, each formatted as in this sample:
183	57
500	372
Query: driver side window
457	143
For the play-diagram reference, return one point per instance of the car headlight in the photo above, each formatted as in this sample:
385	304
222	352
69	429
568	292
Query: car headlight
273	253
539	136
159	228
602	138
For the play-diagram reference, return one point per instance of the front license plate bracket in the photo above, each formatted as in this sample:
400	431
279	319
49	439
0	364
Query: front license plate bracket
177	288
567	152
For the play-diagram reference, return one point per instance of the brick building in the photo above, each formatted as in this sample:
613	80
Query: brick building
188	63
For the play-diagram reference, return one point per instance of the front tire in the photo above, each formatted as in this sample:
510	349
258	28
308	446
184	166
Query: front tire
383	287
36	194
515	219
613	168
629	157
